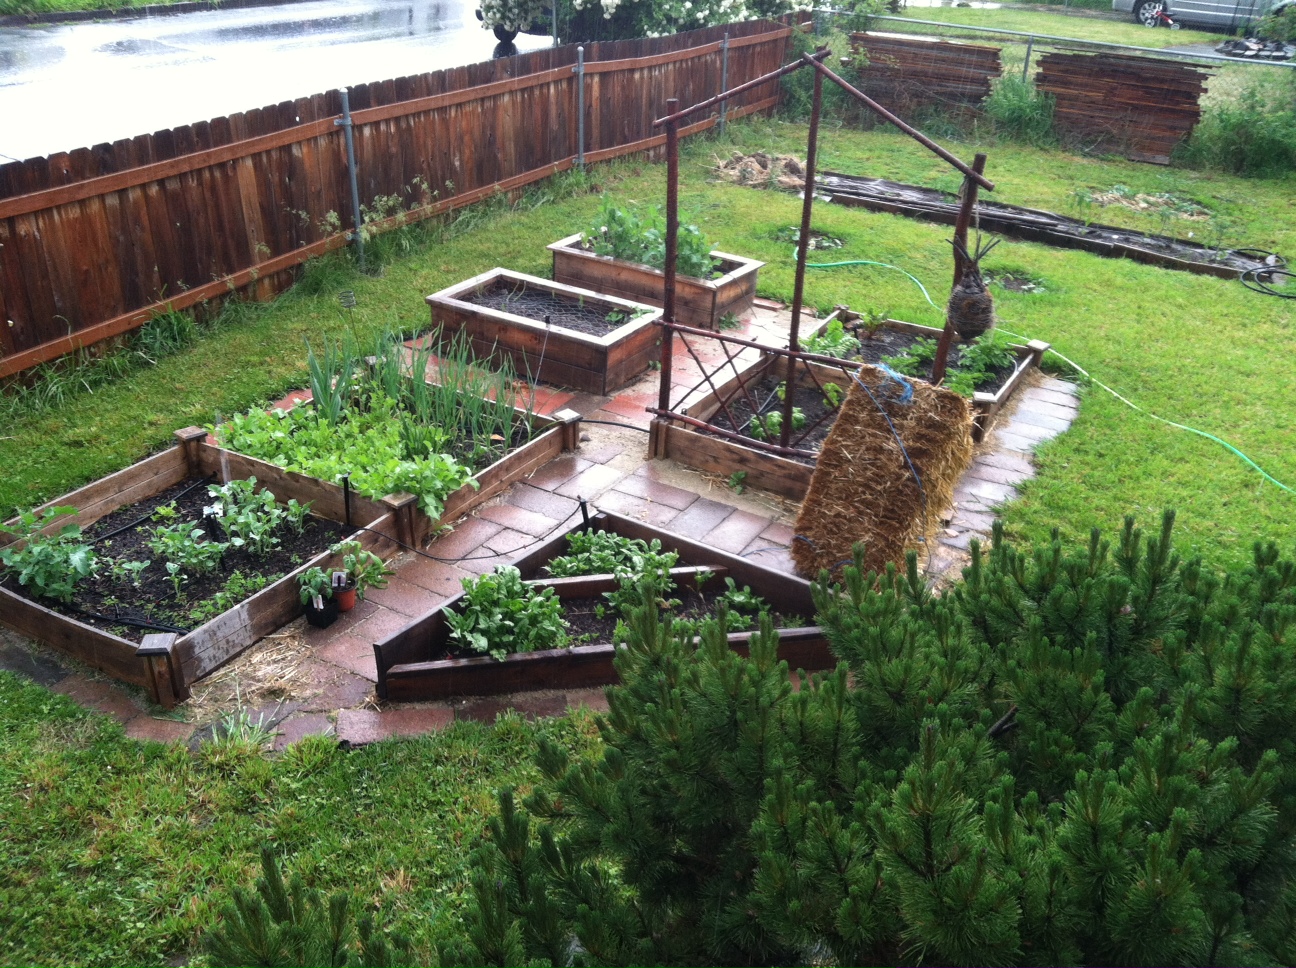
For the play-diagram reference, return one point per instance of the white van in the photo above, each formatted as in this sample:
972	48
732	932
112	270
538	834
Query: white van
1225	17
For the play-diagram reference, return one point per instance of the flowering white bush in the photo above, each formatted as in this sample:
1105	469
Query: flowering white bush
581	20
510	14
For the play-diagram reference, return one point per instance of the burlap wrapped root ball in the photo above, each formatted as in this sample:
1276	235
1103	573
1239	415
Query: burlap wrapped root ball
863	489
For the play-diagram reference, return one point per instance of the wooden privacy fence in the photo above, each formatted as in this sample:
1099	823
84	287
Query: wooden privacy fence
96	241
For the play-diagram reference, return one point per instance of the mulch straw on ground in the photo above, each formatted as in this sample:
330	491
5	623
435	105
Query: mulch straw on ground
762	171
863	489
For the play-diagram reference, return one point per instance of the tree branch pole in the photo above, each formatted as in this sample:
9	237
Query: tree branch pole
803	246
672	246
960	238
908	129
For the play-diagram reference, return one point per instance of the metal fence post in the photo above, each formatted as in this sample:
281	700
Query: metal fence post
580	106
347	126
1030	44
724	78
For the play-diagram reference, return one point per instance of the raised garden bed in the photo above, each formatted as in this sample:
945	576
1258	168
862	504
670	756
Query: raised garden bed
410	667
698	302
593	342
166	664
539	440
788	476
1037	225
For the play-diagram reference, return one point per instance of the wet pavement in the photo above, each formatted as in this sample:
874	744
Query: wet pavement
77	85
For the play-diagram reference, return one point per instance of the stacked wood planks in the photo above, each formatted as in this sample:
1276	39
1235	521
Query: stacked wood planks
906	71
1139	106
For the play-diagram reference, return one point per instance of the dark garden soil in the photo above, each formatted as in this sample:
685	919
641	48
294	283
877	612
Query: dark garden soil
104	601
763	397
819	414
567	312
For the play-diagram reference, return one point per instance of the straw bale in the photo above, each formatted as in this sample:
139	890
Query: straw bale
863	490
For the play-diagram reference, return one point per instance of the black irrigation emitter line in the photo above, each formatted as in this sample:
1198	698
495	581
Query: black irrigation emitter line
136	524
134	623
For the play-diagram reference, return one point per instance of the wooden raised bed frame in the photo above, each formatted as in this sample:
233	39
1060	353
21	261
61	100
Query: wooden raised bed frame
785	476
553	354
406	674
166	665
698	302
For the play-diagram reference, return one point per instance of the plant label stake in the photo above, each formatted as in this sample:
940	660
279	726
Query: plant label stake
339	579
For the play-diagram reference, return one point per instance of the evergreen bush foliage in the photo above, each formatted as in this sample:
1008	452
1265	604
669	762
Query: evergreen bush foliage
1076	756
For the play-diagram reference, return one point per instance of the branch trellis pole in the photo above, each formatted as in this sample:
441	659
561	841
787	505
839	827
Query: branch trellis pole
973	180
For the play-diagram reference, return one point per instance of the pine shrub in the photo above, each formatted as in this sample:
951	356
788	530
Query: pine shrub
1077	755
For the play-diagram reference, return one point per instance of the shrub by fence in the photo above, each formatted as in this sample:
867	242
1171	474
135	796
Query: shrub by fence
95	241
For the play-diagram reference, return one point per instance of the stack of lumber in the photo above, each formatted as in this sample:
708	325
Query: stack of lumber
905	71
1139	106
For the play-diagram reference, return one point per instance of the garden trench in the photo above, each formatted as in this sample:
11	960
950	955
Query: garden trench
305	680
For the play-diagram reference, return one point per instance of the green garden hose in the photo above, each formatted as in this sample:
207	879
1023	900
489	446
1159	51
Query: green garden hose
1078	368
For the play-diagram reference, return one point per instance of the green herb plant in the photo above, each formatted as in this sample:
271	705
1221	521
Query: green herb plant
638	234
51	565
363	567
249	517
833	341
314	583
500	614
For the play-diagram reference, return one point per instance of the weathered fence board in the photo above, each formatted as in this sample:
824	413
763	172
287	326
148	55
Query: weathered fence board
95	241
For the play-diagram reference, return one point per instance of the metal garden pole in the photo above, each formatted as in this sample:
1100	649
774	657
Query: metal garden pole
672	245
803	246
347	126
724	78
580	105
1030	44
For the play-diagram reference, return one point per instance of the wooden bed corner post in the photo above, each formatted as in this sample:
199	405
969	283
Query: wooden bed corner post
960	242
402	507
570	421
162	672
188	440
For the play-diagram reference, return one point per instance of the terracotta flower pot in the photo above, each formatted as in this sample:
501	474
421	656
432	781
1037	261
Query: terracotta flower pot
345	597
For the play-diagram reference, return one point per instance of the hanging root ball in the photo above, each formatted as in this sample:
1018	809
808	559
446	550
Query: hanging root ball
971	308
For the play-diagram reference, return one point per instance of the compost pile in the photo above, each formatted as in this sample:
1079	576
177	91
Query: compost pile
763	171
864	488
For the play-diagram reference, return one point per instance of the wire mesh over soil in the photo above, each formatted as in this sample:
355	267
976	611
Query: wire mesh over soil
103	601
762	397
866	486
565	311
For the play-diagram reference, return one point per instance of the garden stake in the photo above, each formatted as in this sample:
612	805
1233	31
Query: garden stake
672	245
803	246
960	238
584	506
346	497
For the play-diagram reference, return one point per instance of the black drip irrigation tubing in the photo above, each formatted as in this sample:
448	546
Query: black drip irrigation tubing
1253	281
132	622
136	524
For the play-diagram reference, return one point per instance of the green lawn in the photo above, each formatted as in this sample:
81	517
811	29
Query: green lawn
1110	31
115	853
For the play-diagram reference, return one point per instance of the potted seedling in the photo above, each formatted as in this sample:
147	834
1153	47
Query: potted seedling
362	570
317	595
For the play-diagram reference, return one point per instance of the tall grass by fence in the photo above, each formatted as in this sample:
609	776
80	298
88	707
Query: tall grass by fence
95	242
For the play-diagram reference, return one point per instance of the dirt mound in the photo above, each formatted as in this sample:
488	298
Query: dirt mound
761	170
864	486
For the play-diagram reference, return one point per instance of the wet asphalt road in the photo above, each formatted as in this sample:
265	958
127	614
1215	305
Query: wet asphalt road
74	86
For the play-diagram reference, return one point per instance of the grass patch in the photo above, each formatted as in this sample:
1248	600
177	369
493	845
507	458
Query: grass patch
121	853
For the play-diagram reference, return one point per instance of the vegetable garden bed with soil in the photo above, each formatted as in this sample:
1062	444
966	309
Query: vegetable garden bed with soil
698	302
226	615
420	661
448	441
592	342
906	347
